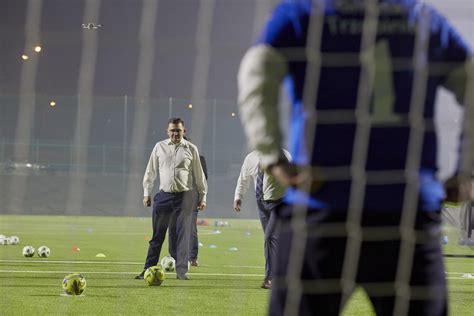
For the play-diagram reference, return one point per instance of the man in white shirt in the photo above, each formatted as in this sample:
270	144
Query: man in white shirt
269	194
176	162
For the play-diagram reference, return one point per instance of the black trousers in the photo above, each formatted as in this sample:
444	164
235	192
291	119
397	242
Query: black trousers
268	219
169	208
375	266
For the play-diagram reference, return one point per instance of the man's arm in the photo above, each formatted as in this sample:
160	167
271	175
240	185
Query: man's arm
260	75
459	79
151	171
243	183
200	179
261	72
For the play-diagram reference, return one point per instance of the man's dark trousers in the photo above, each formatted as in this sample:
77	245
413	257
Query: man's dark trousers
268	219
170	208
377	264
193	241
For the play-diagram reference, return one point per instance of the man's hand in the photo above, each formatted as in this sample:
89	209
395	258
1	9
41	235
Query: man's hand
201	206
146	201
458	189
237	205
288	174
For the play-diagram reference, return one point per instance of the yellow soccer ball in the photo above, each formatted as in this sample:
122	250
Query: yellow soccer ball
154	276
74	284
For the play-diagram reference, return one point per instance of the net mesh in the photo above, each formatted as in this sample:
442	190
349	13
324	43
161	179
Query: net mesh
99	146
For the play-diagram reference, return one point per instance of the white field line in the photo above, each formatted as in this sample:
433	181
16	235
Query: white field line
116	232
141	263
114	262
127	272
189	273
461	273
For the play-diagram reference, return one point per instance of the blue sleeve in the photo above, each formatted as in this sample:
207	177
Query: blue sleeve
285	29
455	51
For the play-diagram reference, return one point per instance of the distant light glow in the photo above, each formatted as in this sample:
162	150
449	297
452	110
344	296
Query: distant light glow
38	49
233	114
52	103
24	57
190	106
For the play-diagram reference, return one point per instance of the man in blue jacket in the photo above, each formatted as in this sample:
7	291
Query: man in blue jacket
364	203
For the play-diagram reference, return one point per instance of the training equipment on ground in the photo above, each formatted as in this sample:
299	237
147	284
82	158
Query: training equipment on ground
154	276
43	252
168	263
28	251
74	284
5	241
444	240
14	240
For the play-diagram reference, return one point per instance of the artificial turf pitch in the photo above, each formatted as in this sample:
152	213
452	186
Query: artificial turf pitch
227	282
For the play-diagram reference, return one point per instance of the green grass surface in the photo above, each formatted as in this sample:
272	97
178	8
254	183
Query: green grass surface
226	283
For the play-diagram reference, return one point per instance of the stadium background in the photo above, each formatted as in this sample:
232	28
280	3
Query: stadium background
189	67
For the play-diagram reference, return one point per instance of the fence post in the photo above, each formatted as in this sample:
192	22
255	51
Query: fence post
104	148
2	156
37	151
125	128
170	107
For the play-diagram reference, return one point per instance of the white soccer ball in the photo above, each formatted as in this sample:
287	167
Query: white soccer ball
43	252
4	241
28	251
168	263
14	240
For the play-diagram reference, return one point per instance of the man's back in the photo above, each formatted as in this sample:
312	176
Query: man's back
376	81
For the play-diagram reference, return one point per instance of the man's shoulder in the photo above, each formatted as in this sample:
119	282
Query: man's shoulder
252	155
190	145
162	142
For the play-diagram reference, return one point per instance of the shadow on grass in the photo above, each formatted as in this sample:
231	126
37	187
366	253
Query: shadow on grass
94	276
462	292
197	287
79	297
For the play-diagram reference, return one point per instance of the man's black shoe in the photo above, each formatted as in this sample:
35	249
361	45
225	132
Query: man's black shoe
182	277
267	284
140	276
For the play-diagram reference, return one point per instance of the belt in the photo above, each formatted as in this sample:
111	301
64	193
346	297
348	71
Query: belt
173	192
273	201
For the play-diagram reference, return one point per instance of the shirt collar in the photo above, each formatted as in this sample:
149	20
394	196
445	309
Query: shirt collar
183	142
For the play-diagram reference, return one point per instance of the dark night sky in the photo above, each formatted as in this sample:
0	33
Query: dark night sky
118	47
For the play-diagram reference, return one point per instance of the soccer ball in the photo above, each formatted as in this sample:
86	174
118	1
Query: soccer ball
74	284
14	240
168	263
28	251
154	276
5	241
43	252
